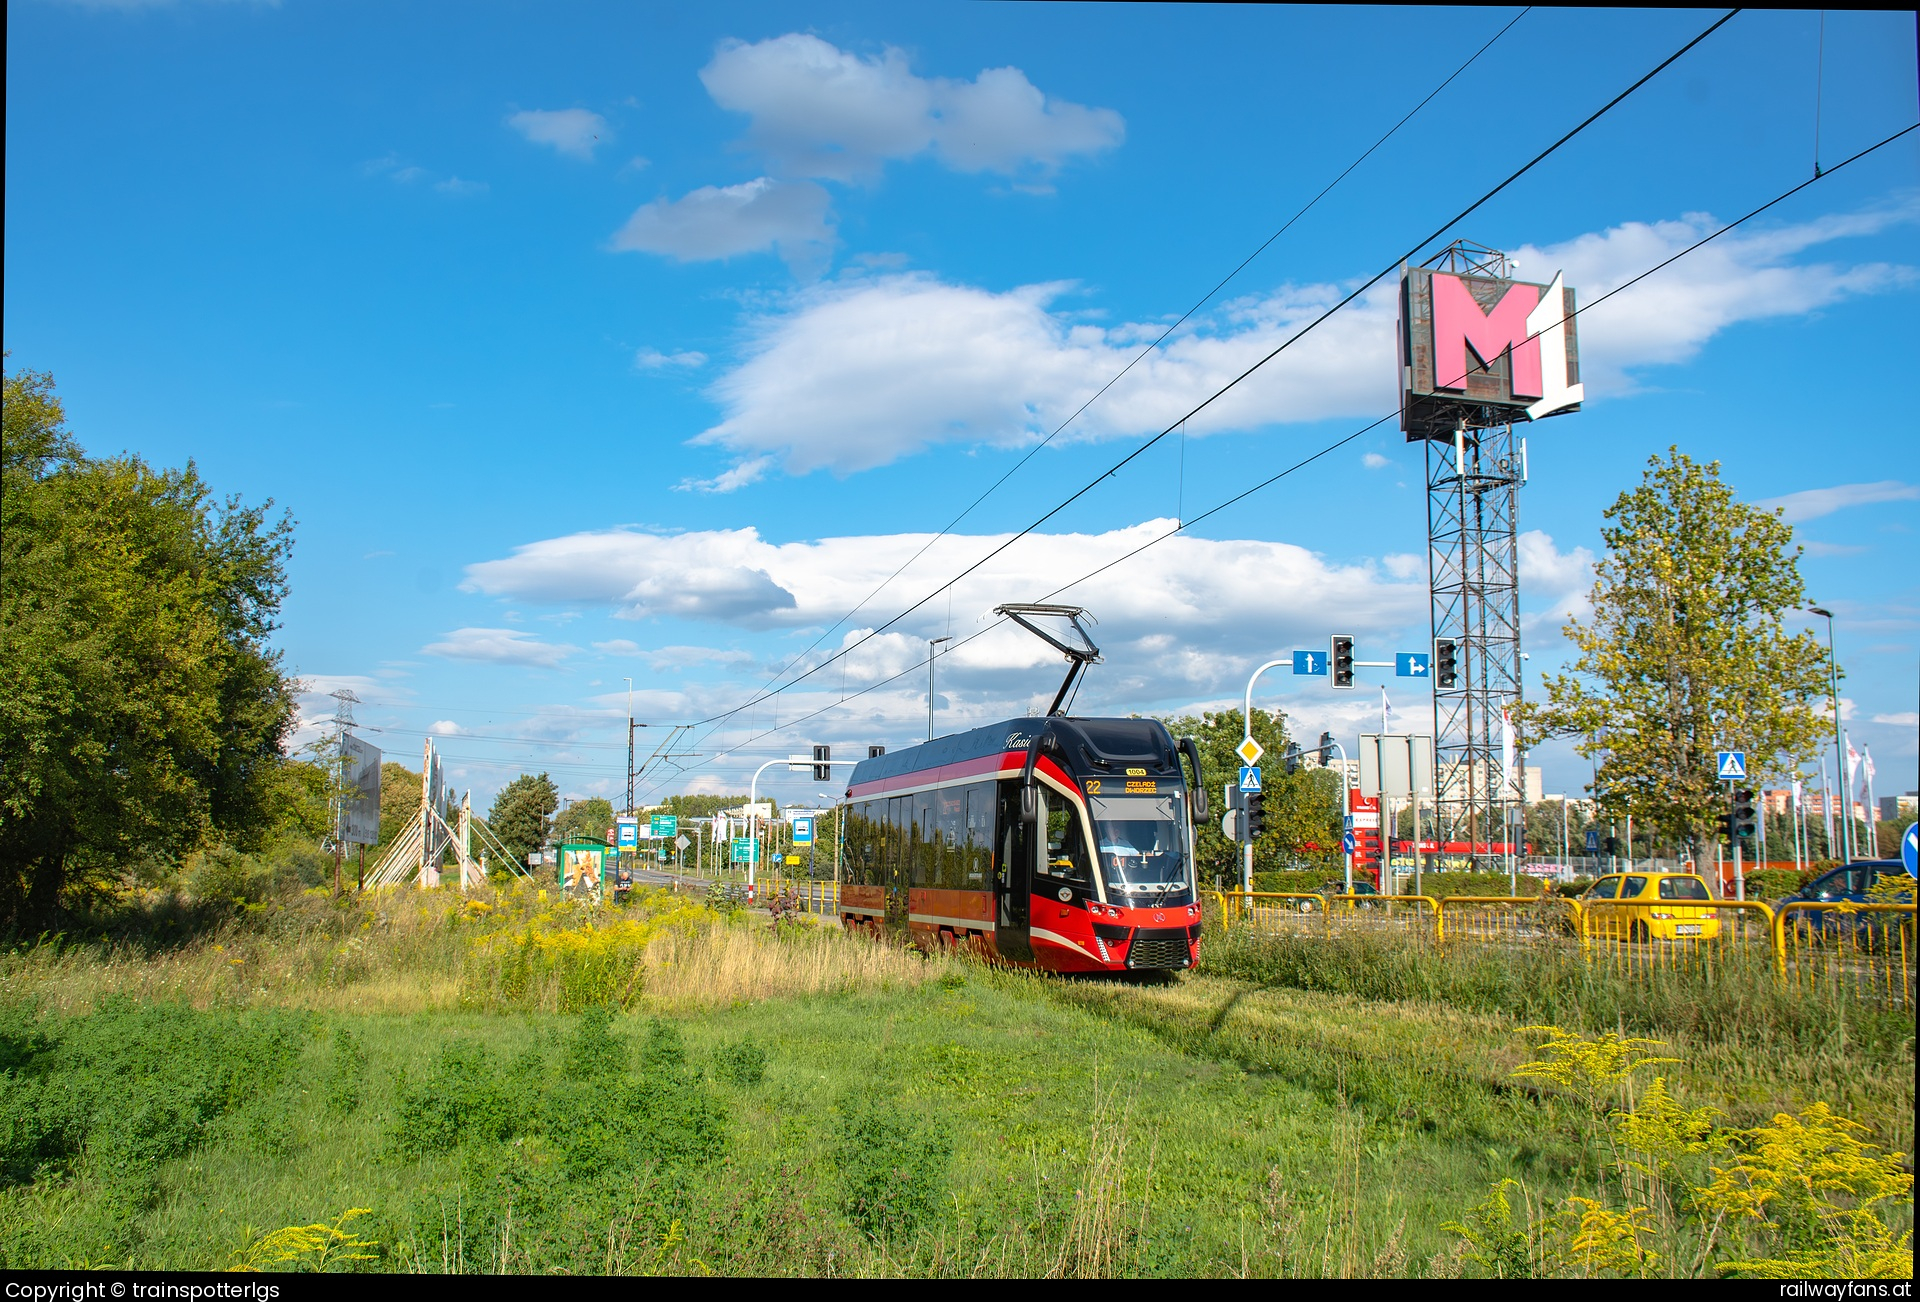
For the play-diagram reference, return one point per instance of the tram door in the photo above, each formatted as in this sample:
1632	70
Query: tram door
1012	877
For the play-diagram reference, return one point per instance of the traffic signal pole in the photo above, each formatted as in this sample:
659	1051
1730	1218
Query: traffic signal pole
1246	723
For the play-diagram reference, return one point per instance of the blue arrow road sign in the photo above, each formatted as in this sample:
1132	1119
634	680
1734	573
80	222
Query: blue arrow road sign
1347	843
1410	664
1249	778
1733	764
1910	850
1310	662
1593	841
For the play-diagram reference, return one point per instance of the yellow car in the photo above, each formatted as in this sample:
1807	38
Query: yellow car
1651	906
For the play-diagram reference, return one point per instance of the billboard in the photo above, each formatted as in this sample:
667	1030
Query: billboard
1484	349
360	802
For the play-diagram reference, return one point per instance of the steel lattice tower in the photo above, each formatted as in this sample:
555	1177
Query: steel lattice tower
1473	480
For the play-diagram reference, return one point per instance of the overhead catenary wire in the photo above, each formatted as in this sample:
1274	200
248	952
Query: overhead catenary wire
1336	444
1224	389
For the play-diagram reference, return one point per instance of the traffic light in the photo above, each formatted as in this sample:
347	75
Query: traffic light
1340	661
1291	760
1724	827
1613	846
1742	821
822	770
1256	814
1446	666
1326	749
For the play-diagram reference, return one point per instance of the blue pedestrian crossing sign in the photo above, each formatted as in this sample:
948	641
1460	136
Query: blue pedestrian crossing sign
1249	777
1593	841
1733	764
1310	662
1410	664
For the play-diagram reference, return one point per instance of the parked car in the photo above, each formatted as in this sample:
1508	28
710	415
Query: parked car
1651	906
1338	886
1845	885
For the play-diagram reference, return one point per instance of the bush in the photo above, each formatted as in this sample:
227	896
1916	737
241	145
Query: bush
1441	885
130	1086
743	1064
892	1168
465	1098
1772	884
347	1075
594	1050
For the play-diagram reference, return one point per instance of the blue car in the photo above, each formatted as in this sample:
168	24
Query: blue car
1845	885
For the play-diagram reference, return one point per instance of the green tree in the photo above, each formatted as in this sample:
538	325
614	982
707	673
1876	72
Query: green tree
590	817
522	814
1686	653
399	800
141	711
1303	810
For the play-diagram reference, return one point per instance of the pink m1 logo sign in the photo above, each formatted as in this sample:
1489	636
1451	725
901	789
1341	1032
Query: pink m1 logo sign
1481	341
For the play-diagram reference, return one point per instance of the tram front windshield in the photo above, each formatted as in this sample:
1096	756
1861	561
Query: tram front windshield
1143	851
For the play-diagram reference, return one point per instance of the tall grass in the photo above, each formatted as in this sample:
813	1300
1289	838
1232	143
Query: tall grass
1768	1045
508	947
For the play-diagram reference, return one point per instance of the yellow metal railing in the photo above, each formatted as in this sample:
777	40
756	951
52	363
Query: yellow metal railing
810	895
1868	948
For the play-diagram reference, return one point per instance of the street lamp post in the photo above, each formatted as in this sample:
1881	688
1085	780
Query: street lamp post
1839	744
931	644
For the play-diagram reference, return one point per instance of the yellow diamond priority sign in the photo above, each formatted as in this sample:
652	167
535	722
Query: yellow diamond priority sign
1251	751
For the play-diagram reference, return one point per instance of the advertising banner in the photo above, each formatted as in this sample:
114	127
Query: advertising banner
360	803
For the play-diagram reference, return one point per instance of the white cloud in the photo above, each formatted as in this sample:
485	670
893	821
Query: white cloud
574	132
860	372
652	359
1907	720
820	111
686	657
500	646
445	728
1181	623
866	369
1374	461
1742	276
1178	632
619	646
1817	548
1554	586
1812	503
715	222
401	173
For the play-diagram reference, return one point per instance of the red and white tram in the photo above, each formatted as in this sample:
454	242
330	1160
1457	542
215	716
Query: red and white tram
1059	843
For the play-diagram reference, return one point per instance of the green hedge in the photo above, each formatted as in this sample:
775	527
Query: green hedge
1440	885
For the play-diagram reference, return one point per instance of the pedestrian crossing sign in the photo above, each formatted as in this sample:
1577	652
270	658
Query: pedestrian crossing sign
1733	765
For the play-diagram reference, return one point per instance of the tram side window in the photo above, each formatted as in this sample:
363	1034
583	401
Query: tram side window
866	854
979	835
893	866
926	846
950	809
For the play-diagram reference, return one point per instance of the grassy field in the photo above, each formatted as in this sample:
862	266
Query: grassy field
521	1085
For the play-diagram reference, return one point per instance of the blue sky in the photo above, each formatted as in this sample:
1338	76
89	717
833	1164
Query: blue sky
626	341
